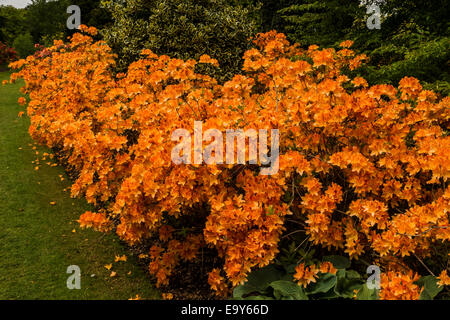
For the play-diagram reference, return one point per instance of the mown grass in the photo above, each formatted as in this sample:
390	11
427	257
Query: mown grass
38	241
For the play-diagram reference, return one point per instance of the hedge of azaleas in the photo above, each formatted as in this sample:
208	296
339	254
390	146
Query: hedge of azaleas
365	169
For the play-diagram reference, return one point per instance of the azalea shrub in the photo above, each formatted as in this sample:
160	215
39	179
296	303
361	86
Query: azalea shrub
363	171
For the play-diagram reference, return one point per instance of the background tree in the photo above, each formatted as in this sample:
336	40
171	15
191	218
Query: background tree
12	23
24	45
2	22
413	39
46	19
92	13
267	12
319	22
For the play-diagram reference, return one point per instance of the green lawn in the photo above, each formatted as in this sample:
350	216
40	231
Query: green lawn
38	241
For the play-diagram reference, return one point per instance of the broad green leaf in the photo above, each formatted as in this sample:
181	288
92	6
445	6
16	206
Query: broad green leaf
258	281
261	278
430	287
367	294
242	290
347	282
323	284
259	298
288	289
340	273
352	274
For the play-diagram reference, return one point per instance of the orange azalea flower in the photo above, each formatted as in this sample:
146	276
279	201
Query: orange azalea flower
305	275
22	101
120	258
217	282
360	82
155	251
327	267
346	44
399	286
444	279
98	221
167	296
207	59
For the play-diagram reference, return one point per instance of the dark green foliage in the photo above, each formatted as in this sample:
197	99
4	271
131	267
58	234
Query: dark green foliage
432	15
270	16
428	62
24	45
319	22
276	281
430	287
413	39
182	29
12	23
46	19
92	13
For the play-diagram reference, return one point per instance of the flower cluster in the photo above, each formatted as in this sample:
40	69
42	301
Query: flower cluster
399	286
308	274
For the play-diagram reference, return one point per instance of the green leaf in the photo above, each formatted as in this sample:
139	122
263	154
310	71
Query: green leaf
288	289
340	273
339	262
352	274
430	287
347	282
323	284
258	281
367	294
326	296
259	298
242	290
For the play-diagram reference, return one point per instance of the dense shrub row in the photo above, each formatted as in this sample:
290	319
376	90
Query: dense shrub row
364	170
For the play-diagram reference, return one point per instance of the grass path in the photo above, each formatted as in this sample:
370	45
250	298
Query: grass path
38	241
